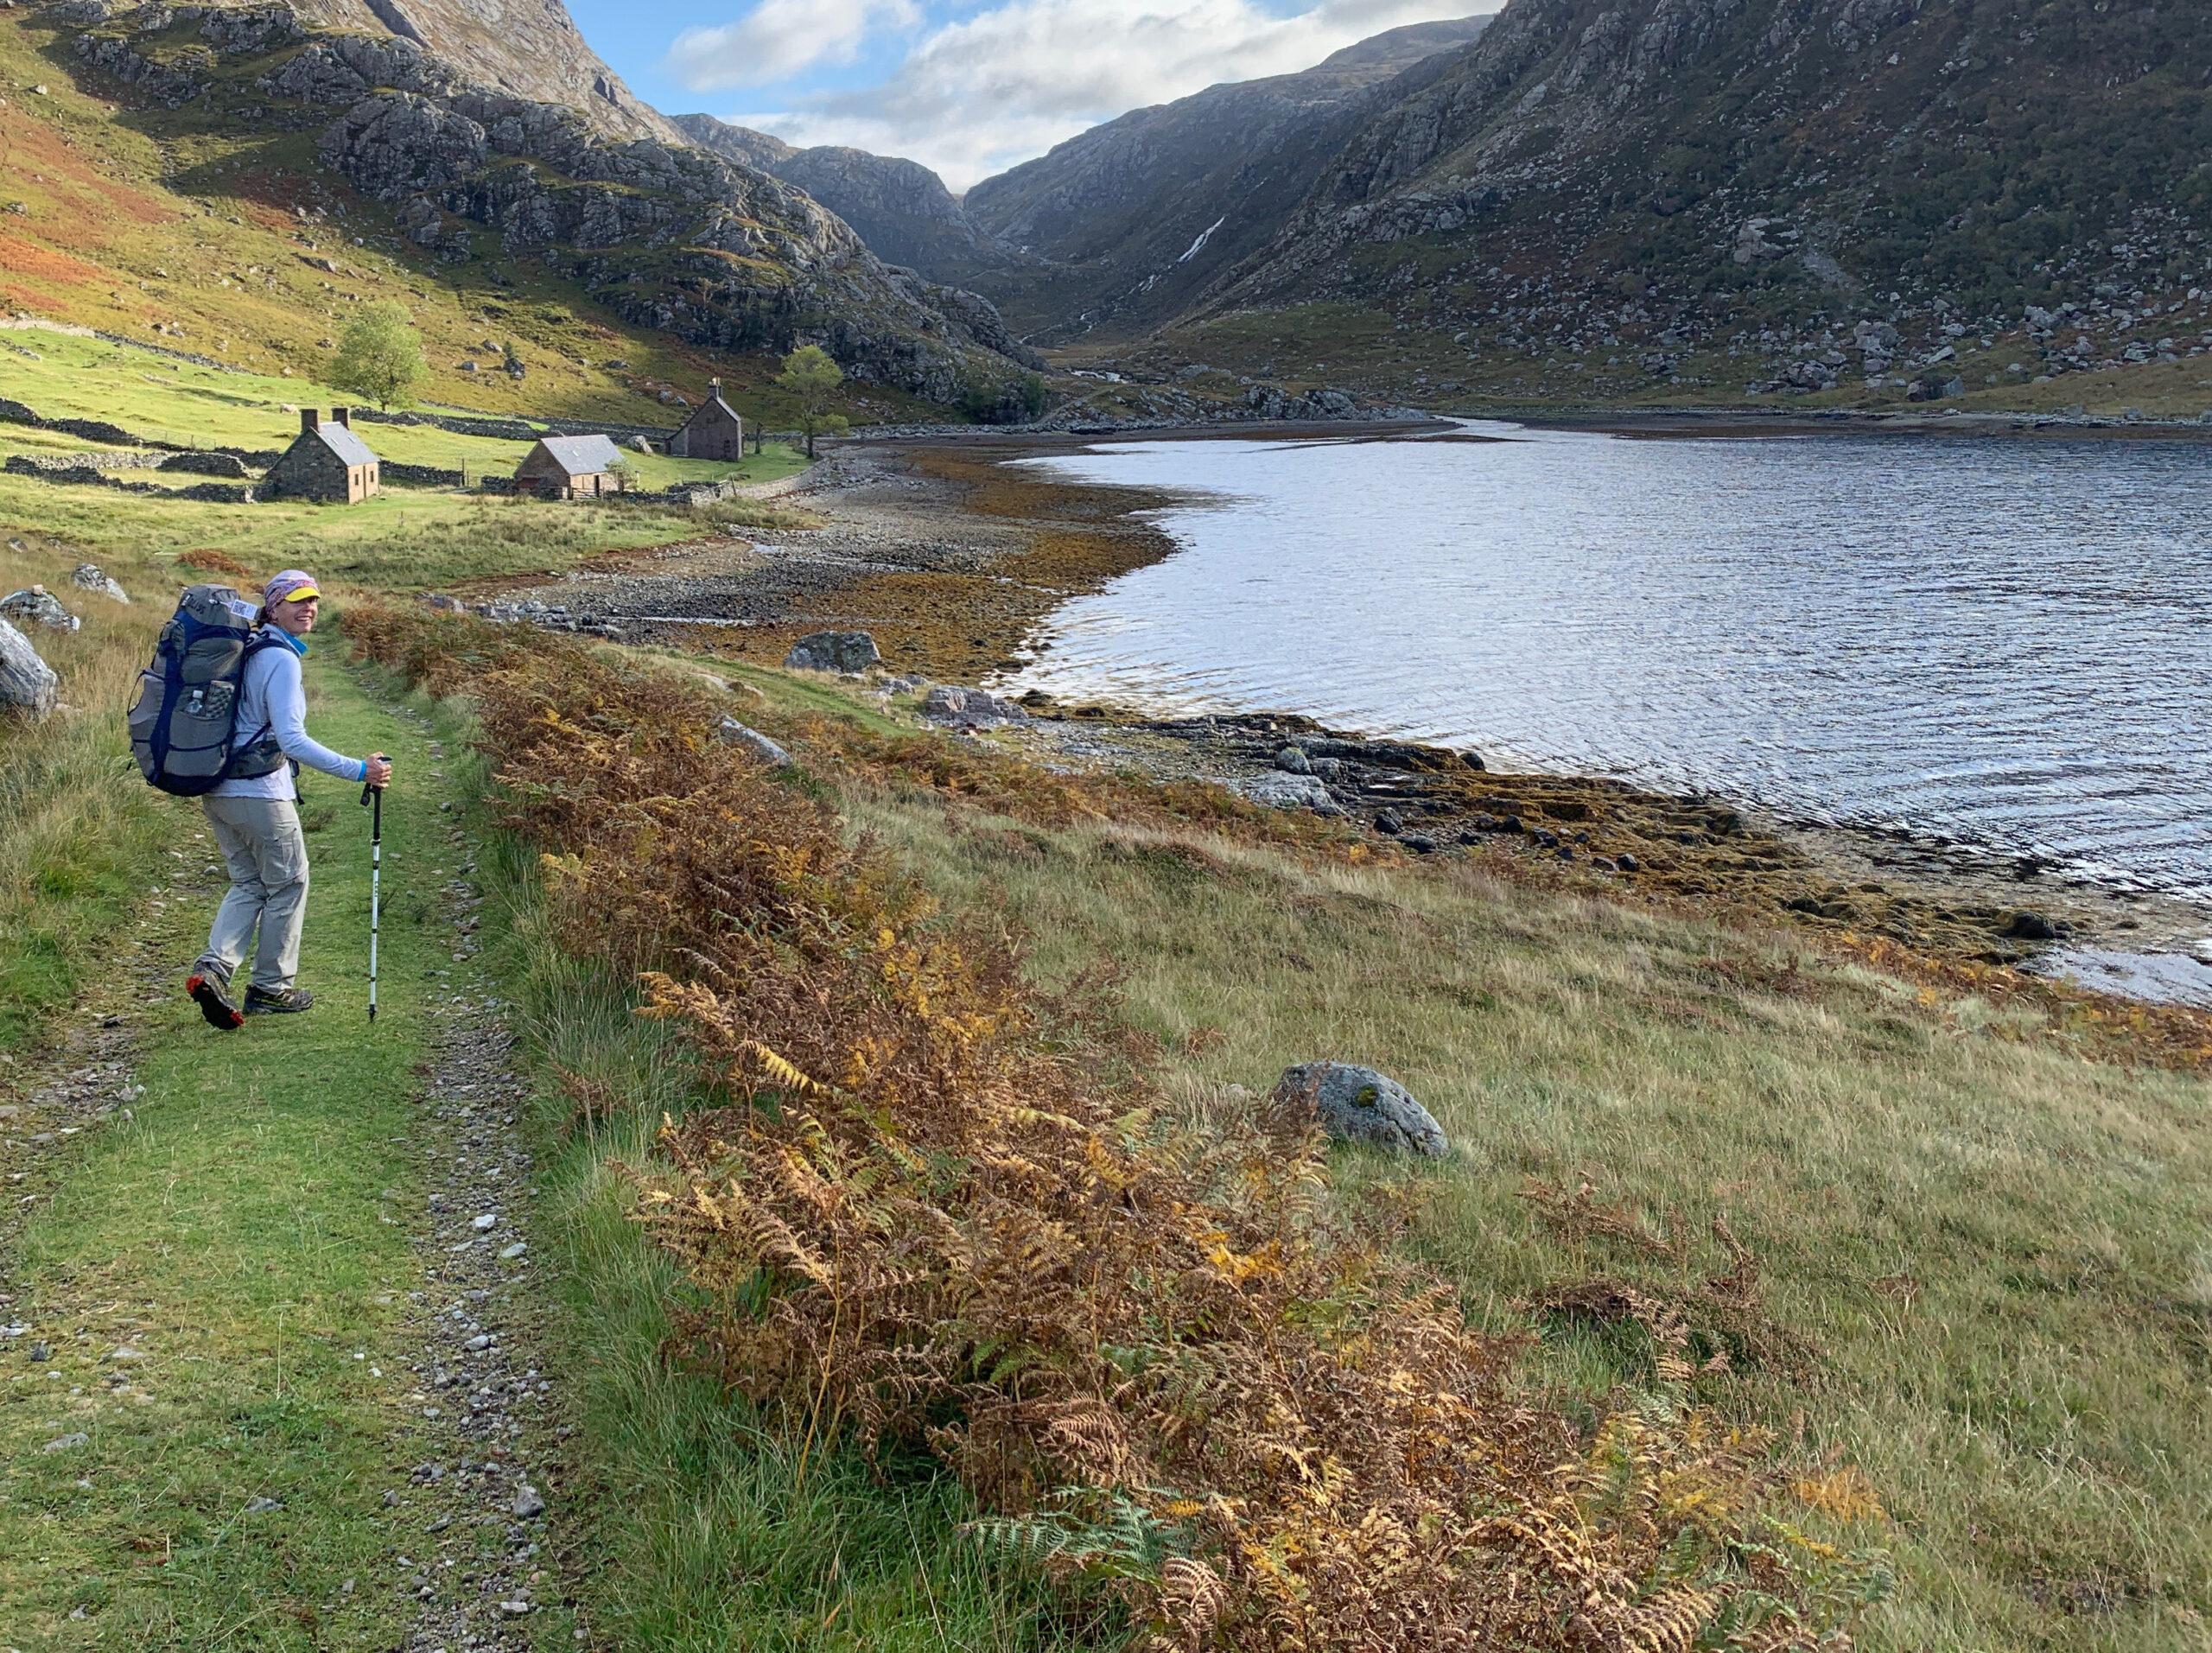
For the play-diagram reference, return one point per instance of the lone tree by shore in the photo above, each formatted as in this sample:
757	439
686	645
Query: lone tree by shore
810	376
380	356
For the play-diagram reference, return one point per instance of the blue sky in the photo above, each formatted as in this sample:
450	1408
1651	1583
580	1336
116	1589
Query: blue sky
967	86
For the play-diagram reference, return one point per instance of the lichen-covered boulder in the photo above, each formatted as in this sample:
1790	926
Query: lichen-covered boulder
90	576
37	604
1357	1104
26	683
833	651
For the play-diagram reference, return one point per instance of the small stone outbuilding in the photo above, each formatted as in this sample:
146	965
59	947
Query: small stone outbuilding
572	468
714	431
326	462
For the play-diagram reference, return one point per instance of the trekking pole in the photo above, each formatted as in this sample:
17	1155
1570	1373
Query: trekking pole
373	796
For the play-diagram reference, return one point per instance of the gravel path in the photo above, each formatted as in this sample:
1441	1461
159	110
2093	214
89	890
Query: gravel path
488	1410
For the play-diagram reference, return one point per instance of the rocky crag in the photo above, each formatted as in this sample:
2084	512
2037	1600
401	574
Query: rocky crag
901	208
1807	192
1128	224
428	121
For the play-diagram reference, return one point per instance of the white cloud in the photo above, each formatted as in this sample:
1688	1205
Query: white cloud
781	38
975	97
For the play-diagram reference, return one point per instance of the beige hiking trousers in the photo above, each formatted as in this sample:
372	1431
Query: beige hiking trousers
267	855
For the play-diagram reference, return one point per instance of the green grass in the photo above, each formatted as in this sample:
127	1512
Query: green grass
184	405
2003	1253
236	1233
81	836
404	540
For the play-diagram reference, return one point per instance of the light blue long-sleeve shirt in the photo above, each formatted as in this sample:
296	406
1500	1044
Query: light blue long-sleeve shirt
274	696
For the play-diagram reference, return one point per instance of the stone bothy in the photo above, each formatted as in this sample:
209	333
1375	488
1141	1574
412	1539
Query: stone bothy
572	468
326	462
714	431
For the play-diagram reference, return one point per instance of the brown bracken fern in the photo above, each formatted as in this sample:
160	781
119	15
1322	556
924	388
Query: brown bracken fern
939	1210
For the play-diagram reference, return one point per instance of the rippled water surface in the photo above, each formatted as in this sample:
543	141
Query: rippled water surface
2004	642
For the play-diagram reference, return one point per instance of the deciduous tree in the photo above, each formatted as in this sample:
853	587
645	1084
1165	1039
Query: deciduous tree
380	356
812	378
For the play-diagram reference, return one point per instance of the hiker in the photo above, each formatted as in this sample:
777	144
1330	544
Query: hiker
255	814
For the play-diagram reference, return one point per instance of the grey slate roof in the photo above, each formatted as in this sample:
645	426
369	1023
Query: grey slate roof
582	455
349	447
707	407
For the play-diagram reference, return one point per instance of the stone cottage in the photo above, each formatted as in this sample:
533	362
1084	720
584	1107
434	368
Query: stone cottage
572	468
714	431
326	462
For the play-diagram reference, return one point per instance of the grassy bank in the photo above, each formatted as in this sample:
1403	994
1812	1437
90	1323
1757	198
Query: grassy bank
1975	1318
81	836
990	1121
1996	1254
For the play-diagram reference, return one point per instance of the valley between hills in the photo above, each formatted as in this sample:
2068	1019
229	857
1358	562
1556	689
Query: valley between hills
853	1159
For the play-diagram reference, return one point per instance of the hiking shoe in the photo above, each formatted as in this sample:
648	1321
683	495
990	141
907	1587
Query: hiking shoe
214	1004
284	1001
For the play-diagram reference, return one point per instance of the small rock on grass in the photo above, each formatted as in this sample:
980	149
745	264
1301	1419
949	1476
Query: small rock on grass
529	1502
1357	1104
749	740
263	1506
63	1443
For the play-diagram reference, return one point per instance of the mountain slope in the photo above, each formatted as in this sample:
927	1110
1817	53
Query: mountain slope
1790	194
901	208
1137	217
526	49
662	234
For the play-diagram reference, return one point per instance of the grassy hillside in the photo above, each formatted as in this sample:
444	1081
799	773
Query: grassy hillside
184	404
186	228
1994	1254
406	538
1454	363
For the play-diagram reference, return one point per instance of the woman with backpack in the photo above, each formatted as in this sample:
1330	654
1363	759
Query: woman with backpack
255	815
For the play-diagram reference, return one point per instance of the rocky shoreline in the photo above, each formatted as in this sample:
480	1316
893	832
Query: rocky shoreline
950	557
